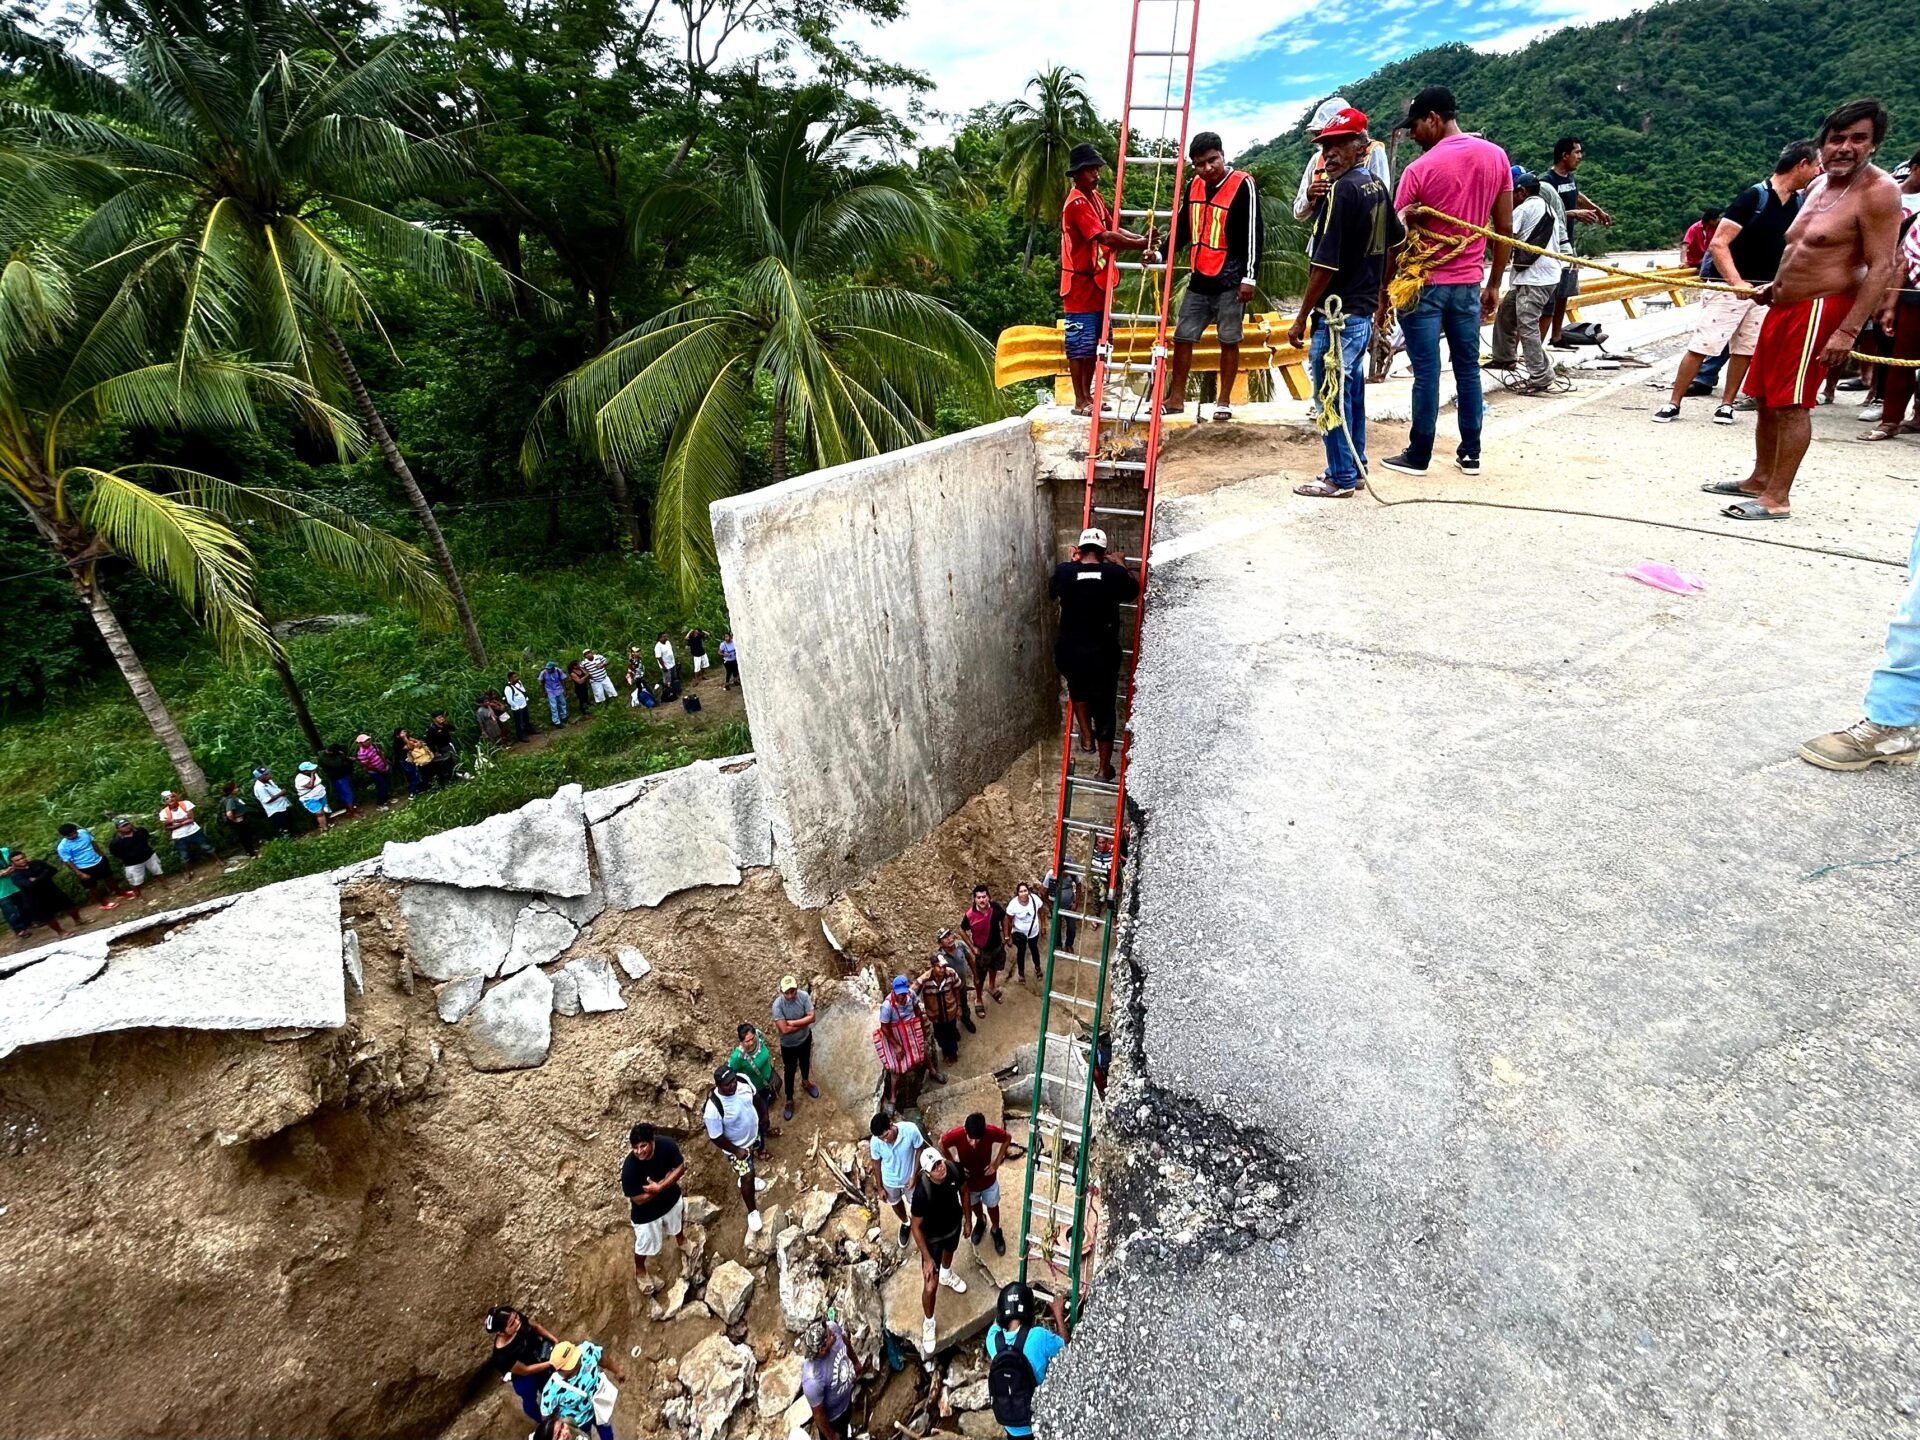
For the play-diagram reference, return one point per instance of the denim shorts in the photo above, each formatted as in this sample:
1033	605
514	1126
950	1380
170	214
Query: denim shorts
1083	335
1197	311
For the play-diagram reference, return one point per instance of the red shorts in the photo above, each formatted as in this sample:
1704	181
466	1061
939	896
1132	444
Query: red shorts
1786	372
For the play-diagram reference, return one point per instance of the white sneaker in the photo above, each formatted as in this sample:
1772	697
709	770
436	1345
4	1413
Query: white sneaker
1871	412
759	1184
953	1282
754	1222
926	1337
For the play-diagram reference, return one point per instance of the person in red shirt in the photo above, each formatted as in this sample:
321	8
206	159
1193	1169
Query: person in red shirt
978	1149
1693	245
1088	238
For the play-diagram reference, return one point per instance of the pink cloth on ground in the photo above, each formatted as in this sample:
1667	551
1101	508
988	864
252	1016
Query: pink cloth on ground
1463	175
1663	576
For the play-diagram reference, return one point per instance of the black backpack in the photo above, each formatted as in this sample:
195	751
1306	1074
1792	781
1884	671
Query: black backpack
1011	1381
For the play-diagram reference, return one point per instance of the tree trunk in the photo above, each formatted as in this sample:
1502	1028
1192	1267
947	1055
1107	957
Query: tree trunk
437	542
1027	262
86	584
278	659
623	504
779	437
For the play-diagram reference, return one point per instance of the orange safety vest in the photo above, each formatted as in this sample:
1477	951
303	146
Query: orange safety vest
1102	272
1207	221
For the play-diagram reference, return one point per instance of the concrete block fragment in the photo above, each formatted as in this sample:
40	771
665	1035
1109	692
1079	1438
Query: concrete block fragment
512	1026
540	934
595	984
541	847
453	931
455	998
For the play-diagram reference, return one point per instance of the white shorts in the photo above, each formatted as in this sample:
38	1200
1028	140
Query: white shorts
147	869
650	1235
1726	322
602	688
700	662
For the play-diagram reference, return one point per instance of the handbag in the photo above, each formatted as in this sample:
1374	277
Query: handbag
603	1399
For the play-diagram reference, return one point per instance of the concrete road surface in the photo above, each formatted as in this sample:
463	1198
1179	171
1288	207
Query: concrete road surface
1482	886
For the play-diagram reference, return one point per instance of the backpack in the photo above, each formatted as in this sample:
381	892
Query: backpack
1011	1381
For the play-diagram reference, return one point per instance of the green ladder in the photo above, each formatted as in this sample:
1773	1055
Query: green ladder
1090	828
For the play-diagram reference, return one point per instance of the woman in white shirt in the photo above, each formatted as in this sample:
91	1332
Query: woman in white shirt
1024	911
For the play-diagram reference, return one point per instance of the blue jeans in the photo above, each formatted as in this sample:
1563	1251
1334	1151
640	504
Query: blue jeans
343	791
557	706
1354	336
1452	310
1893	695
521	726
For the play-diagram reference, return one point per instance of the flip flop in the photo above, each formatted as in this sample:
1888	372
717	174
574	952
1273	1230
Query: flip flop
1322	489
1727	487
1876	434
1754	510
1222	412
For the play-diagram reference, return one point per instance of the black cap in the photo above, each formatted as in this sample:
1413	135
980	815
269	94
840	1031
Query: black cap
1084	157
1434	100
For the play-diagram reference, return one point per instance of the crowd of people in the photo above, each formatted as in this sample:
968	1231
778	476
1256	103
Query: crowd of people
1823	257
942	1190
85	869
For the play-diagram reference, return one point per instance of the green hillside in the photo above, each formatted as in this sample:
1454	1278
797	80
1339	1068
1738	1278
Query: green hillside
1678	106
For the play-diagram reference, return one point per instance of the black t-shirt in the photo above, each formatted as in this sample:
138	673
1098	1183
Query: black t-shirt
636	1172
134	849
939	1208
528	1347
1763	220
696	642
1090	598
335	767
1353	228
1568	189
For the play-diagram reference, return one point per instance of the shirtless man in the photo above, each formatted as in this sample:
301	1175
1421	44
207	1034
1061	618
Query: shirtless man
1832	276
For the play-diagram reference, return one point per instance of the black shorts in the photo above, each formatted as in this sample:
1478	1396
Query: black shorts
1090	679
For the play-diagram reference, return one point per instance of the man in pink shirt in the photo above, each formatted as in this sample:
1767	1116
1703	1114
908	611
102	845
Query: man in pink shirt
1464	176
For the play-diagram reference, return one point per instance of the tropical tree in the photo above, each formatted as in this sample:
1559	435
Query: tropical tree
847	369
77	372
1052	115
254	173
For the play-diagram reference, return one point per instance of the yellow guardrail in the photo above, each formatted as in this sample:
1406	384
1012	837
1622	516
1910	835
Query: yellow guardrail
1033	352
1621	290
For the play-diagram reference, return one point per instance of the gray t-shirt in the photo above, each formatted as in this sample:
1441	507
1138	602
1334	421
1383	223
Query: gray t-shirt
828	1382
794	1009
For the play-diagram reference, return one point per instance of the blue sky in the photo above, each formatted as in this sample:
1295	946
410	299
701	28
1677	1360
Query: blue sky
1259	64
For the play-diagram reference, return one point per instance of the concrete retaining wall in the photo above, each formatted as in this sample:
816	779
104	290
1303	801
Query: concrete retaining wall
894	638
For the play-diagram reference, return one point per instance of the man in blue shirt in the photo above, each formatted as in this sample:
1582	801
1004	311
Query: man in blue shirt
84	859
1011	1389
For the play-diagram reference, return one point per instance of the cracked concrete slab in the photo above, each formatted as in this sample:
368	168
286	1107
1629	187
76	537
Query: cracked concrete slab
270	959
699	825
541	847
1484	883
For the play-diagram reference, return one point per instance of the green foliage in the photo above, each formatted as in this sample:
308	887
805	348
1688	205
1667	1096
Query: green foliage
89	756
1679	106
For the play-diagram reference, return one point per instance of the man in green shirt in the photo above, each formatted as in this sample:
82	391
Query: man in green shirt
10	902
753	1058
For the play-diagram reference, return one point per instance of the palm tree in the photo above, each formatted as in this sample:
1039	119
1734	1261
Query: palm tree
1041	131
253	179
75	371
848	369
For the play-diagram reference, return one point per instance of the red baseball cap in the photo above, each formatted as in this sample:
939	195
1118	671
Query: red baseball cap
1347	122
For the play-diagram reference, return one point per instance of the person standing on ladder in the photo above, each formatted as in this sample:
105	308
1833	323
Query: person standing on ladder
1353	228
1091	588
1088	240
1220	225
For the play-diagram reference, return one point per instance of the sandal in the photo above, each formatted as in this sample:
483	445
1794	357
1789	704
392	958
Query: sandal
1167	407
1323	489
1727	487
1754	510
773	1132
1222	412
1879	432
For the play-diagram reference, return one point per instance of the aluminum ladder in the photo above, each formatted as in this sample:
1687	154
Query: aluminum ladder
1089	843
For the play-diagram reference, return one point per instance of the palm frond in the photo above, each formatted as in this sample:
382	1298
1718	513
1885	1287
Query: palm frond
702	466
336	541
419	251
183	548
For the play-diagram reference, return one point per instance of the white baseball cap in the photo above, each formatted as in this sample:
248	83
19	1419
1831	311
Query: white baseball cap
1094	536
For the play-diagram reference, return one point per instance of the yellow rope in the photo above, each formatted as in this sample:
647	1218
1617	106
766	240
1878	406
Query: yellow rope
1482	230
1885	360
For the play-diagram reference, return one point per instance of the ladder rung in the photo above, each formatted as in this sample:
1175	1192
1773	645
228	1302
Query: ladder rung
1086	827
1067	1129
1135	315
1129	367
1160	54
1150	160
1084	919
1174	108
1138	213
1116	510
1080	1000
1124	465
1137	265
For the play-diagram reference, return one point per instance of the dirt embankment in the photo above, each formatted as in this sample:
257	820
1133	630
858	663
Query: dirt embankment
222	1235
